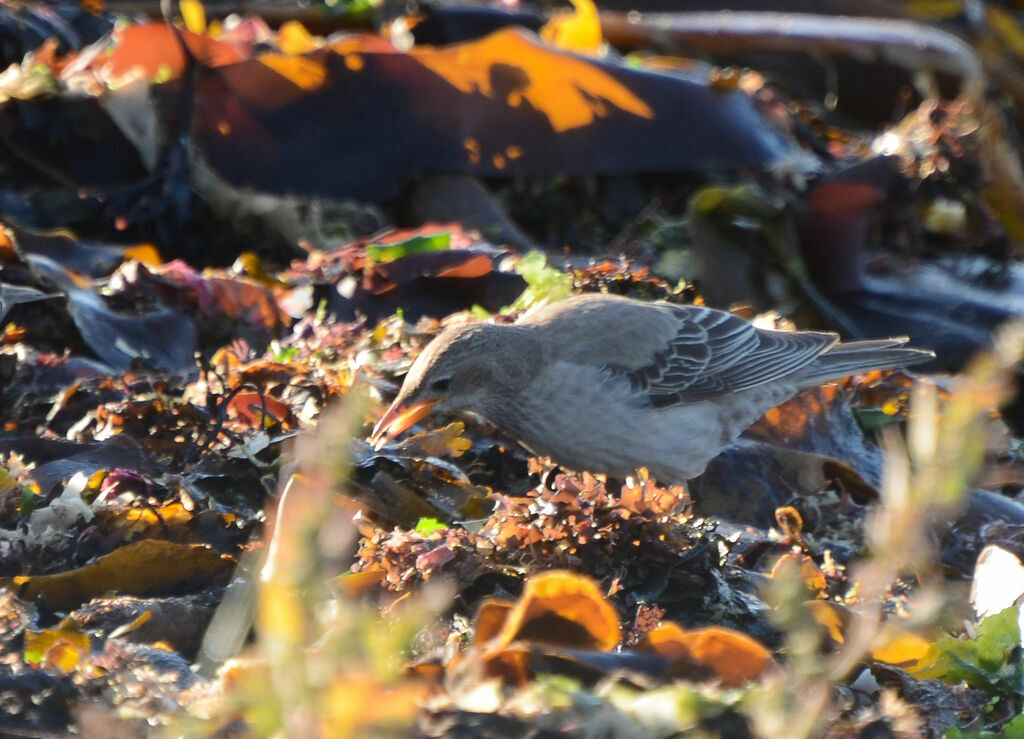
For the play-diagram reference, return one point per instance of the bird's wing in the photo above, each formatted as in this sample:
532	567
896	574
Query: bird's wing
714	353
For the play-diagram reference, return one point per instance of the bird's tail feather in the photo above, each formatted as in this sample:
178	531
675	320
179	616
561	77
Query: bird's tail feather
857	357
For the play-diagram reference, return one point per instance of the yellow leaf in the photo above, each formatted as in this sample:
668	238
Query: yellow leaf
62	647
355	703
145	253
832	616
126	628
579	31
901	648
1004	24
293	38
281	616
935	10
194	15
444	441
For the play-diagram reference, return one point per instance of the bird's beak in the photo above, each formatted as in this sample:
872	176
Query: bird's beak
397	419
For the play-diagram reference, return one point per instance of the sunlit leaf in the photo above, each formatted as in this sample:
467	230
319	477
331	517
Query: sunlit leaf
490	618
193	14
62	647
356	701
442	442
134	568
302	71
293	38
560	608
546	284
902	648
127	628
571	93
579	31
155	50
987	661
249	406
415	245
812	577
356	584
428	525
733	657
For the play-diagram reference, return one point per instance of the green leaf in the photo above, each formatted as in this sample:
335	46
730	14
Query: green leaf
1014	728
988	662
428	525
545	284
28	501
415	245
283	354
872	419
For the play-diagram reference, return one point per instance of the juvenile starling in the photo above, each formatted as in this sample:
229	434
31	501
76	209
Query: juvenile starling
610	384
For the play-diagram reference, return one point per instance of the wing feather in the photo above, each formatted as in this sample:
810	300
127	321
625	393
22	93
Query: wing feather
715	353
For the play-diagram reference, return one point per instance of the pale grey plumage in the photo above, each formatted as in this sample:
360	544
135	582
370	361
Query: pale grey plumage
610	384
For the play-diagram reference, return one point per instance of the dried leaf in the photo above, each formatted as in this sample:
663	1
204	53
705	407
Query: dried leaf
134	568
490	619
733	657
446	441
560	608
810	574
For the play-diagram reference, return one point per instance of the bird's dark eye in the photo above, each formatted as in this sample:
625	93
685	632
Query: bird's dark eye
442	385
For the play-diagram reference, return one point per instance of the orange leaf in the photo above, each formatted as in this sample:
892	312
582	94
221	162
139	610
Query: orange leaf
490	618
248	405
560	608
668	640
570	92
293	38
154	49
166	522
355	702
302	71
476	266
812	577
358	584
733	657
145	253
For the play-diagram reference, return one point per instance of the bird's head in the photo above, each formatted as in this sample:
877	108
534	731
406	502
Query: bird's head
465	368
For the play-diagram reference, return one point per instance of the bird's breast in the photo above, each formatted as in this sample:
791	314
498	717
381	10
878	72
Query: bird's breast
588	419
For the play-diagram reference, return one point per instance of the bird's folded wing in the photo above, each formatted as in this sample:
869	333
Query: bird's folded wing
714	353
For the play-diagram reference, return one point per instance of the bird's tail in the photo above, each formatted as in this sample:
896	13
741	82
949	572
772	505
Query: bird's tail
857	357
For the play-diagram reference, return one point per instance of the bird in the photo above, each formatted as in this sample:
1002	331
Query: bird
611	384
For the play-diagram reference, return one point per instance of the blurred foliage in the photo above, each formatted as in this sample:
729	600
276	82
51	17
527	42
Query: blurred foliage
989	659
545	284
